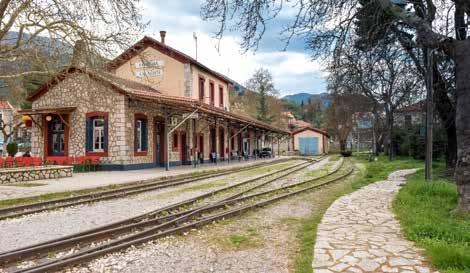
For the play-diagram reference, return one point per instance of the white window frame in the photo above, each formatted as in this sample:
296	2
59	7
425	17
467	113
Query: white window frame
139	123
98	131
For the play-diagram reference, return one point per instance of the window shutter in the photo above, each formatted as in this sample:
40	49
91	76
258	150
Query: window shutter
89	135
135	135
144	135
105	144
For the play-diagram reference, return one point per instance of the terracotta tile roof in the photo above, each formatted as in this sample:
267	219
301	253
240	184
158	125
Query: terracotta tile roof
142	91
5	105
119	83
168	50
205	108
288	115
312	129
420	106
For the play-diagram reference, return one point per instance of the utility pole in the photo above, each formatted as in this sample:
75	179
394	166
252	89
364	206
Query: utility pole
429	113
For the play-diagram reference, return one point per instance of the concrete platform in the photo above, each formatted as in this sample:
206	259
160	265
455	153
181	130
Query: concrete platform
80	181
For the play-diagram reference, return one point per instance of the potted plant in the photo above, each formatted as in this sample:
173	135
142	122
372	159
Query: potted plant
12	148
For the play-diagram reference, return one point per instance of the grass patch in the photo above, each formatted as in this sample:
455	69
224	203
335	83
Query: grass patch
289	221
240	241
371	172
267	169
52	196
325	169
380	169
26	185
203	186
426	213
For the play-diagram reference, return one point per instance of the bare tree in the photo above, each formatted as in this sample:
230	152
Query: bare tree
384	75
262	83
328	24
36	36
340	114
9	127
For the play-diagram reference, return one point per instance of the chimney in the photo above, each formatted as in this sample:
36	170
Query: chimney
162	36
79	57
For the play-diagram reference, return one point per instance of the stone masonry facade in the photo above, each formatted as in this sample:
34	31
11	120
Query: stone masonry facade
87	95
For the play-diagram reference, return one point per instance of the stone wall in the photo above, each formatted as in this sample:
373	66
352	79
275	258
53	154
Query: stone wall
24	174
87	95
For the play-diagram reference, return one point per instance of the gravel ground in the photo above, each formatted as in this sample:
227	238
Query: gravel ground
259	241
301	176
31	229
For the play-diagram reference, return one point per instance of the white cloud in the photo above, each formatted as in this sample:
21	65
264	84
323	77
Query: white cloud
292	71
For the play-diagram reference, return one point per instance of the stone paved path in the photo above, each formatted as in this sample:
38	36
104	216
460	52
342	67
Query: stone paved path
359	233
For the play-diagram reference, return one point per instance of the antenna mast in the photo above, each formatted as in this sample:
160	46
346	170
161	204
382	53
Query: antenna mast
195	41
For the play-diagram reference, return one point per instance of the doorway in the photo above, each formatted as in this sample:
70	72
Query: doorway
56	136
201	148
159	142
246	147
221	143
184	149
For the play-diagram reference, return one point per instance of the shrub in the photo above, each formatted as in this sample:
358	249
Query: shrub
12	149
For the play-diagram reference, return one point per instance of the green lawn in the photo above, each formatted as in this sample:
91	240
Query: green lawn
371	172
427	214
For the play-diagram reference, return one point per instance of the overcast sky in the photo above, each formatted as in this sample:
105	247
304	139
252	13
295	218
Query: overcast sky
293	70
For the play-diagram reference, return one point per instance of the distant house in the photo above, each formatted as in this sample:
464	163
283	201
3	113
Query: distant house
310	141
292	122
414	114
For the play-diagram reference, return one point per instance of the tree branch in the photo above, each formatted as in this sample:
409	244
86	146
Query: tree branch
427	37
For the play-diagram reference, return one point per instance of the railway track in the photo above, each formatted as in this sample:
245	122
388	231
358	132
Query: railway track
17	211
162	213
176	221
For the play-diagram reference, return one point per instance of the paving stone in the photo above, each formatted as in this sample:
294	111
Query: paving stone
338	253
400	261
361	234
388	269
421	269
368	265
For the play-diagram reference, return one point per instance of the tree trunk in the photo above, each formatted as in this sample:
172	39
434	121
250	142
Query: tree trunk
446	111
462	173
390	135
342	145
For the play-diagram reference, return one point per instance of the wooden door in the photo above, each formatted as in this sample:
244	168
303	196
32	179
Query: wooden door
183	152
159	142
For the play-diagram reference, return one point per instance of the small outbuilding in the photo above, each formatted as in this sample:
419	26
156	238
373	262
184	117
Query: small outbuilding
310	141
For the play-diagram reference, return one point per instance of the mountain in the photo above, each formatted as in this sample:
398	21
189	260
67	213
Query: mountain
304	97
298	98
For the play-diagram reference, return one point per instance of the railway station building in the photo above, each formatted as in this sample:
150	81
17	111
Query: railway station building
152	106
